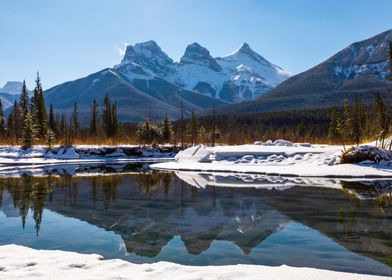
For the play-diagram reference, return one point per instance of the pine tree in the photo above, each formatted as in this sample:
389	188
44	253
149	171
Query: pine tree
52	125
333	125
63	125
348	121
75	127
29	132
50	137
94	119
203	134
357	118
114	124
182	125
167	129
382	120
107	116
24	100
38	108
193	128
2	122
15	122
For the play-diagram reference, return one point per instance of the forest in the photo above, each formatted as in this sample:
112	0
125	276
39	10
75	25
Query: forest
29	123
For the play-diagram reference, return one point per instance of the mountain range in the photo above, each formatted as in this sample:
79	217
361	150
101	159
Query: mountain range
361	68
148	82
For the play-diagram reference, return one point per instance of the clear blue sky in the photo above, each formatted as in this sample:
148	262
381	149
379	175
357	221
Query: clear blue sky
68	39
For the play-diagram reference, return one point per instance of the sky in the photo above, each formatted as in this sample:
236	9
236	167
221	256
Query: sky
69	39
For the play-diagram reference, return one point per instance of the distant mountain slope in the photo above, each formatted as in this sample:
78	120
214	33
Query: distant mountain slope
361	68
7	99
148	82
133	104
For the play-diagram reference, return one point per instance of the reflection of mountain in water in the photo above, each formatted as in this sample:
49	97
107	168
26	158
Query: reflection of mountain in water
356	214
148	209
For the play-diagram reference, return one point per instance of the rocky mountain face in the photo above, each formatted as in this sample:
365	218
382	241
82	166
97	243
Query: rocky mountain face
148	82
10	92
361	68
241	76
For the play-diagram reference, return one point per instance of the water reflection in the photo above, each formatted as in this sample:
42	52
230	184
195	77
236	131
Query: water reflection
151	209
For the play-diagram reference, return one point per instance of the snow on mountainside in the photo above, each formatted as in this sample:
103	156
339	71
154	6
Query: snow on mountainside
12	87
361	68
243	75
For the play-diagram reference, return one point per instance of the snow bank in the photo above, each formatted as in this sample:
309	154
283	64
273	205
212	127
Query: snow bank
279	158
14	155
18	262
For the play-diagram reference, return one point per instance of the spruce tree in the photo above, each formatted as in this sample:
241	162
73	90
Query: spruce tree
94	119
114	124
52	125
2	122
50	137
107	116
75	127
63	125
24	100
39	109
348	121
357	118
193	128
29	132
167	129
333	125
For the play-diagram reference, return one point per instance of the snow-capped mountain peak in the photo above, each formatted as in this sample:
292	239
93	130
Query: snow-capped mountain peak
196	54
150	56
12	87
243	75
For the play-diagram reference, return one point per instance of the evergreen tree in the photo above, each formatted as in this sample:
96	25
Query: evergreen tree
382	120
24	100
29	132
203	134
38	108
357	119
94	119
107	116
63	125
52	121
333	125
114	124
75	128
167	129
182	125
2	122
50	137
193	128
15	122
148	132
348	121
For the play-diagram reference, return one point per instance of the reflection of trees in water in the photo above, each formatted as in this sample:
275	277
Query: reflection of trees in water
380	191
28	193
153	182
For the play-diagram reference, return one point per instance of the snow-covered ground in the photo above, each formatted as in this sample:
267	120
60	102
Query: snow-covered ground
279	158
14	155
18	262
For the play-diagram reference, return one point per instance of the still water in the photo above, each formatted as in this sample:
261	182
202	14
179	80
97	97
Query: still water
133	213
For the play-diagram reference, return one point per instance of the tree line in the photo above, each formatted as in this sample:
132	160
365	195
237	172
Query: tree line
29	122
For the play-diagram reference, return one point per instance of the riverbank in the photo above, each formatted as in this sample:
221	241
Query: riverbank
279	158
18	262
41	155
